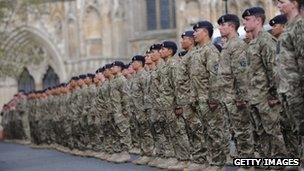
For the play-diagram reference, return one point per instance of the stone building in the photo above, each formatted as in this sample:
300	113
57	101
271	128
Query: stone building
50	42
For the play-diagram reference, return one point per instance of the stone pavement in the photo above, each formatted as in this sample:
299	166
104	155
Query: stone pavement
15	157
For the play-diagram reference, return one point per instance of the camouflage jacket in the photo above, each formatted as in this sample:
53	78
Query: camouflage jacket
119	94
261	54
290	57
137	90
233	70
203	72
181	80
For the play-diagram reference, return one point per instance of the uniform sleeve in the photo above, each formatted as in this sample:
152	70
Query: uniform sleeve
125	96
268	59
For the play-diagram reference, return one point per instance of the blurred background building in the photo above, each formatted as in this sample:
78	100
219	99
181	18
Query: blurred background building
51	40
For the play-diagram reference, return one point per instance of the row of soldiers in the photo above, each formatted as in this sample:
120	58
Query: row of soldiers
180	111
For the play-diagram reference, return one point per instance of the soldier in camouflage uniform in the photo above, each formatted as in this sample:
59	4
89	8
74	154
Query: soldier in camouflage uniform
290	63
174	119
137	91
163	147
278	24
120	105
233	83
183	93
104	106
203	74
128	73
98	115
72	111
264	101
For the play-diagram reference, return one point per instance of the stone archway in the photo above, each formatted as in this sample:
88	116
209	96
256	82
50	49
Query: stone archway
26	35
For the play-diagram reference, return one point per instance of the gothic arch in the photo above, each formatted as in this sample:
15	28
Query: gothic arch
30	34
26	81
50	78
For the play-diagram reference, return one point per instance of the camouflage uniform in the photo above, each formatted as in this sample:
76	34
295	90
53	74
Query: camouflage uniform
86	105
233	83
23	114
181	83
134	127
66	121
203	75
105	108
290	63
32	111
93	119
261	53
163	147
76	99
137	96
120	104
182	95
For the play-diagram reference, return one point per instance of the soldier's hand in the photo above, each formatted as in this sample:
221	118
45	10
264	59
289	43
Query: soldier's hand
178	111
213	105
241	104
125	113
273	101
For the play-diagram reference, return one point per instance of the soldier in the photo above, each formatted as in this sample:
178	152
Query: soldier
120	105
101	117
233	83
209	107
128	73
248	37
137	97
264	101
186	116
162	145
175	127
290	63
104	107
278	25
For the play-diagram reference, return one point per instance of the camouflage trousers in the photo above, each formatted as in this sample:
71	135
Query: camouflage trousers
162	142
194	130
145	135
217	134
178	136
268	136
293	123
122	134
134	128
241	127
26	126
108	127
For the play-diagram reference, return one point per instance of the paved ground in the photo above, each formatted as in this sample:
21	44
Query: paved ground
14	157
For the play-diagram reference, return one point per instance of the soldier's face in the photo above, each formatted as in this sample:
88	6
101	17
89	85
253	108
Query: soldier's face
165	52
250	23
186	42
131	69
80	82
286	6
155	55
136	65
200	34
225	29
277	30
115	69
148	59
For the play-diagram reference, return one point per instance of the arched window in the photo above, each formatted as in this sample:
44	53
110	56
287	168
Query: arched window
160	14
26	82
50	79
